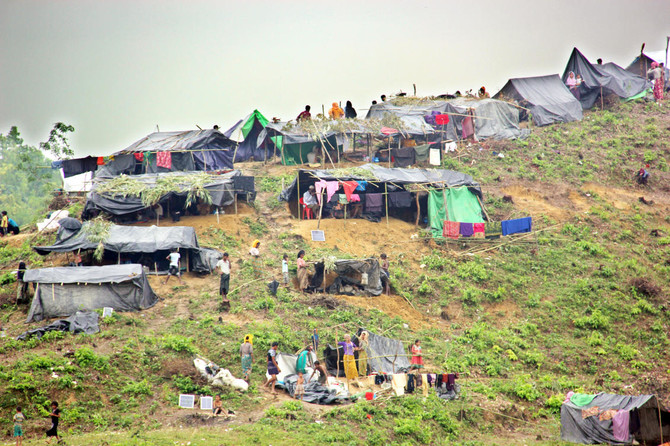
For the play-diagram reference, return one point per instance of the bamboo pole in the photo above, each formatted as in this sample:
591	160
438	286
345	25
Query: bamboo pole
318	223
660	420
483	208
418	209
297	182
389	152
386	200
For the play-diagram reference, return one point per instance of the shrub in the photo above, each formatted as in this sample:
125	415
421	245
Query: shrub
86	357
473	271
554	403
179	344
138	388
596	321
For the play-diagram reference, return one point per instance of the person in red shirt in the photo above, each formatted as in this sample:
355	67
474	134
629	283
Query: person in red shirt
305	115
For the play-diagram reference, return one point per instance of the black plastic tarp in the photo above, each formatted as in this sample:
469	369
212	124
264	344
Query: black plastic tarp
601	79
205	150
394	354
80	322
438	178
64	291
221	190
580	427
547	98
140	239
350	273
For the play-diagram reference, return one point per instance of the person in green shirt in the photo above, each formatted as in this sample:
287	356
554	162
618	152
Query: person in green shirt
19	418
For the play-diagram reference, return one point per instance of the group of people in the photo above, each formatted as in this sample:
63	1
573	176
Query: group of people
19	418
657	76
335	112
573	83
7	225
353	368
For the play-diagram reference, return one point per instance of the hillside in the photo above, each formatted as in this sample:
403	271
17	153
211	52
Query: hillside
581	304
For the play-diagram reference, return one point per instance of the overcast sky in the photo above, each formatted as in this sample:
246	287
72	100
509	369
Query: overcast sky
116	69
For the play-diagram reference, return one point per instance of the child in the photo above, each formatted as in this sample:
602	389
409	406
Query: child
300	387
18	426
386	277
284	269
55	415
218	405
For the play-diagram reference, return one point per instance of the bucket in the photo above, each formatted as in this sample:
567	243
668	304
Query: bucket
369	396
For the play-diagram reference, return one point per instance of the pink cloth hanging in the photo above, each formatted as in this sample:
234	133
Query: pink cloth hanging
319	186
479	229
349	187
468	127
451	229
164	159
331	188
354	198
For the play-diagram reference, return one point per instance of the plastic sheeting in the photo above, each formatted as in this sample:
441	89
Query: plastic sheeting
462	206
438	177
493	119
206	149
547	97
220	190
251	138
66	290
592	430
349	272
389	348
80	322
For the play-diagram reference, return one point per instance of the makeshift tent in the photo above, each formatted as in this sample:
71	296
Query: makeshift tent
222	190
547	98
315	393
148	245
642	63
80	322
252	141
597	81
348	278
295	145
201	150
64	291
385	355
463	197
614	419
411	116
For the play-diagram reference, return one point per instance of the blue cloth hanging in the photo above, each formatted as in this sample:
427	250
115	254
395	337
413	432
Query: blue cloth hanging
517	225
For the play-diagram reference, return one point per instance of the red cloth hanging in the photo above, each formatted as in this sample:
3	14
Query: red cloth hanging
451	229
441	119
164	159
139	156
101	161
349	187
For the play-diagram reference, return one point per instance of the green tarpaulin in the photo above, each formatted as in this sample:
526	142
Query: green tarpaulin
422	152
246	128
581	399
462	206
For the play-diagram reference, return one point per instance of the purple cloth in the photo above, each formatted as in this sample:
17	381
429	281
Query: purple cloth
620	426
348	347
467	229
373	203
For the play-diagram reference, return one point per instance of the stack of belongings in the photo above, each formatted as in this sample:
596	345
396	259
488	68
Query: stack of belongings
455	230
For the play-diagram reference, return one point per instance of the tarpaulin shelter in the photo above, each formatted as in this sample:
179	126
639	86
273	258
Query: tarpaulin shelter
598	80
347	277
642	63
546	97
385	355
80	322
614	419
223	190
148	245
411	116
295	145
191	150
64	291
450	194
251	139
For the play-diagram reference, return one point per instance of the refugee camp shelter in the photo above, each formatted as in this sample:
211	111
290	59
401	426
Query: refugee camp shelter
191	150
614	419
642	63
546	97
349	277
446	194
251	139
123	197
385	355
146	245
297	146
64	291
599	81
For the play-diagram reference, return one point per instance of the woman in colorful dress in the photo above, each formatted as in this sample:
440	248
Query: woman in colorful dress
417	356
247	356
303	280
363	344
349	362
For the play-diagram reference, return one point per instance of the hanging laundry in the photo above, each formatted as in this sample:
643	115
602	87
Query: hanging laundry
479	229
342	199
451	381
421	153
607	414
468	127
398	383
467	229
361	186
401	199
349	187
354	198
164	159
374	203
516	226
493	229
101	161
410	384
139	156
426	384
451	229
620	426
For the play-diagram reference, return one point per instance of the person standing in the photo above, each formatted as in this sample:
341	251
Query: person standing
301	362
386	276
273	367
224	269
247	357
19	418
656	74
348	359
284	269
315	340
350	111
336	112
417	356
173	270
303	280
21	286
304	115
4	224
300	387
55	415
363	345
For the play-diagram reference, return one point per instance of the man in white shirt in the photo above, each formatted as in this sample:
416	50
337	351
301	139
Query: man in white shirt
174	257
309	198
223	266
